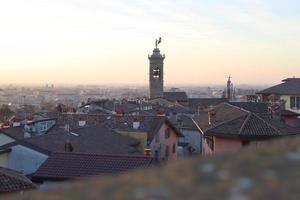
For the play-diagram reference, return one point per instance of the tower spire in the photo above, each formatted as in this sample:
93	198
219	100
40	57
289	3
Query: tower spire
229	88
156	72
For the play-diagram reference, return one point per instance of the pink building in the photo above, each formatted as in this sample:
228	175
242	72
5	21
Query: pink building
161	136
164	144
230	126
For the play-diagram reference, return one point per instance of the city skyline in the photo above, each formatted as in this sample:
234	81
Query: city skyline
104	42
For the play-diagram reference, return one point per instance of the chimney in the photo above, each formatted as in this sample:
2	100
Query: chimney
136	123
59	108
27	135
161	113
16	122
212	117
69	147
29	119
271	111
67	128
119	113
6	125
82	121
147	152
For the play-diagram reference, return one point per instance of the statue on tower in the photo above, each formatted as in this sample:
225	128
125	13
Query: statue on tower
157	42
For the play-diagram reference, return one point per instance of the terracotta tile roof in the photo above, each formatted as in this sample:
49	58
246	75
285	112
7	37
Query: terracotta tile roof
73	119
95	139
98	136
202	103
290	86
176	96
268	171
73	165
229	128
183	122
225	112
14	132
12	181
243	120
249	125
280	126
113	105
148	124
169	110
252	106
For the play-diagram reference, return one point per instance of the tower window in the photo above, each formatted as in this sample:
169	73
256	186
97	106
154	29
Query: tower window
156	72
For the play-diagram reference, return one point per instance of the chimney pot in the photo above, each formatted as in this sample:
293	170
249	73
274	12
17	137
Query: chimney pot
136	124
147	152
212	117
82	121
69	147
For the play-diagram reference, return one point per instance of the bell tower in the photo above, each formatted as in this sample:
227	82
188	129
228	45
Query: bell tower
156	72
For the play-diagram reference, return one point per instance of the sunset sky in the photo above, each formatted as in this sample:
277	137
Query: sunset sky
107	41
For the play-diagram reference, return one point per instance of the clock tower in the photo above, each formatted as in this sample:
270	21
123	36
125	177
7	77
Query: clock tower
156	73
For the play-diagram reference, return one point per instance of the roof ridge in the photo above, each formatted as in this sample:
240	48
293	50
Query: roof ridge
268	124
199	128
225	122
16	175
282	83
244	123
242	109
95	154
88	126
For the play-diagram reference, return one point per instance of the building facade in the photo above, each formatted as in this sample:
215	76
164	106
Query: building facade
287	92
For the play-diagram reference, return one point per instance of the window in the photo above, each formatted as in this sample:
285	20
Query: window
43	126
167	133
156	72
174	148
167	152
295	102
210	142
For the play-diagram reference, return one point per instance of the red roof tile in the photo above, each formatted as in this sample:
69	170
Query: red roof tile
74	165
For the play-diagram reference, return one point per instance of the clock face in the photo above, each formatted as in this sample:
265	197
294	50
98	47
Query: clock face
156	72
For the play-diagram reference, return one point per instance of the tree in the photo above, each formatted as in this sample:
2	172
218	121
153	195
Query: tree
49	105
5	113
29	109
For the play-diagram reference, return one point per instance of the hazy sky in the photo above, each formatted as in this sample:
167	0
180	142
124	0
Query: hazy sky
107	41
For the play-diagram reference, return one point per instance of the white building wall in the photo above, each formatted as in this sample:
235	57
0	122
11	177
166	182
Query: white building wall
287	99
